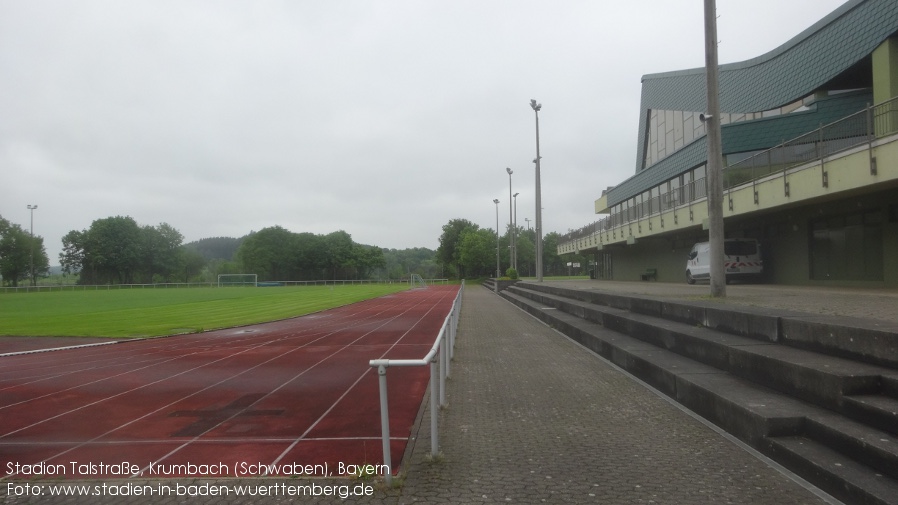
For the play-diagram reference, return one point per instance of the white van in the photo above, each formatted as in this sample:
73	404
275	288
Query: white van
742	260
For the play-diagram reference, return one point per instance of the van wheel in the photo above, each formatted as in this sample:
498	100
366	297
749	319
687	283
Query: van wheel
689	278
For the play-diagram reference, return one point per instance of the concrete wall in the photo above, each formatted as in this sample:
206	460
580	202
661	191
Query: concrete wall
667	256
784	236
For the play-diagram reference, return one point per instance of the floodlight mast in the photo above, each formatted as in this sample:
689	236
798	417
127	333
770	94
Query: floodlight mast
31	261
498	268
510	221
539	207
514	234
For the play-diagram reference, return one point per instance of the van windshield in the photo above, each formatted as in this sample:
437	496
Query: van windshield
740	248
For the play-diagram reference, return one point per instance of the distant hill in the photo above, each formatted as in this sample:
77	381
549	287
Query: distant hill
216	247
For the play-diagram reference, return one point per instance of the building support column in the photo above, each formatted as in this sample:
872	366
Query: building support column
885	84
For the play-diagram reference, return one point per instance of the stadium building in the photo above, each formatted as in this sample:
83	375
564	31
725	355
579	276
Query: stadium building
810	143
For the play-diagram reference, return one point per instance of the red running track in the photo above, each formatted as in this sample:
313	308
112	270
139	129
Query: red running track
287	393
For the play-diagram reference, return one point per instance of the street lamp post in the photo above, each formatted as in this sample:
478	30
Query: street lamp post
539	210
496	286
514	234
510	221
31	208
527	219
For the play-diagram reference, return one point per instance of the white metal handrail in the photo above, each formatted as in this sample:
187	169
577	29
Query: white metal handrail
439	357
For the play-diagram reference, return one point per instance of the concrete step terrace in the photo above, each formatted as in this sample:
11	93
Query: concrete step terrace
733	367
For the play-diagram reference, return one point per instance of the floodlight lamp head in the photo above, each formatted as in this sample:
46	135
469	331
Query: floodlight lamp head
535	106
510	171
515	195
496	200
704	118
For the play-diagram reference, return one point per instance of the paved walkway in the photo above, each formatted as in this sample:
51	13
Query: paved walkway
534	418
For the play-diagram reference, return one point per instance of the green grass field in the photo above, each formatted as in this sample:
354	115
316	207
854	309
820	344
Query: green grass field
155	312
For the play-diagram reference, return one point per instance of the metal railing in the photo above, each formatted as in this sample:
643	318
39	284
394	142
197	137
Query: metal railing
439	358
858	128
851	131
103	287
182	285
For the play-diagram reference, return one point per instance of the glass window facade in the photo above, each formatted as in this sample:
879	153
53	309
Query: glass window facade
681	190
669	131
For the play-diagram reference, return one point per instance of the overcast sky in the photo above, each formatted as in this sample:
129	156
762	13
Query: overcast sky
382	118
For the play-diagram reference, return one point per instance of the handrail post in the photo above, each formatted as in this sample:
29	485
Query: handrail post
446	346
869	126
385	423
434	410
871	134
452	328
444	363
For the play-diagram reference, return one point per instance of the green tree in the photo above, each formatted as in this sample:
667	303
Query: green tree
339	255
217	247
276	253
113	249
73	250
477	252
192	263
526	252
268	253
430	269
557	265
367	259
309	256
418	260
450	242
161	253
552	263
117	250
19	252
216	267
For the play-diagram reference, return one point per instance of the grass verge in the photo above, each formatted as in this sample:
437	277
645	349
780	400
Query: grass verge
156	312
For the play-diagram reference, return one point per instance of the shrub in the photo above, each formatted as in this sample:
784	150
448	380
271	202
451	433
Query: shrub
511	273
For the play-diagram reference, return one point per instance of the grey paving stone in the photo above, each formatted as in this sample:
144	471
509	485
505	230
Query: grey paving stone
535	418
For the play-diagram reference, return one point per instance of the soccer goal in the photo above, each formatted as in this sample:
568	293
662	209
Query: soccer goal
417	282
237	280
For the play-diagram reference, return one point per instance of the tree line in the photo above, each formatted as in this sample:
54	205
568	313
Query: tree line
278	254
470	251
117	250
